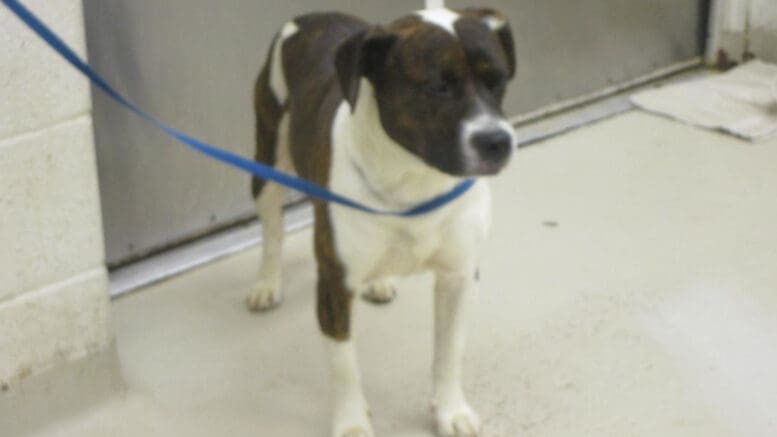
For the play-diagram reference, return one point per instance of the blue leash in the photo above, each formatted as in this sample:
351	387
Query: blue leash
257	169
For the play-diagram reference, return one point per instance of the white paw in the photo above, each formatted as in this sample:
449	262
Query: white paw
264	297
353	421
356	432
380	292
458	421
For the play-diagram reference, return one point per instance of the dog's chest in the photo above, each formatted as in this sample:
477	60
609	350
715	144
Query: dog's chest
371	248
401	250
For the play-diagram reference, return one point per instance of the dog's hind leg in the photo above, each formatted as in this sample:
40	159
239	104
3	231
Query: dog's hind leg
272	148
267	290
266	293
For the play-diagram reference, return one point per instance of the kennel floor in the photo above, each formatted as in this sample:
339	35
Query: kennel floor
629	288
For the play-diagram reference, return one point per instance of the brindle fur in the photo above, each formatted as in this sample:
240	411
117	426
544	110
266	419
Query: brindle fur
268	114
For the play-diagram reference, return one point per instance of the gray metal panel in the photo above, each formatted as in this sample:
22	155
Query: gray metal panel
569	48
193	63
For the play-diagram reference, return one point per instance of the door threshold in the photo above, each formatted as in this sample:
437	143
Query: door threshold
165	265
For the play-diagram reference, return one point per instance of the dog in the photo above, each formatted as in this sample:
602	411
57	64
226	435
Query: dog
390	117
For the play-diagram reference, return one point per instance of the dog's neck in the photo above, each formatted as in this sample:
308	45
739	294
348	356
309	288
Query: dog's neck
392	173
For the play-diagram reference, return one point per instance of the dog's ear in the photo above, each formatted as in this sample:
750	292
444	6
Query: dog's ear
501	27
361	56
505	35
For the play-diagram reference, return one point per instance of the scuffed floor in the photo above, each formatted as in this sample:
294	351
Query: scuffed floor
629	289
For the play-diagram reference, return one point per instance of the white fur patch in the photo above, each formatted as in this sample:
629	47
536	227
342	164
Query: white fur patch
344	366
495	23
454	297
469	128
441	17
351	413
277	75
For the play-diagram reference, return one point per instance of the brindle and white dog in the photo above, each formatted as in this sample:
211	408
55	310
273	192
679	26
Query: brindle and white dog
391	117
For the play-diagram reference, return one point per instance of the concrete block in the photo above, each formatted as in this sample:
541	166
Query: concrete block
50	223
37	87
56	324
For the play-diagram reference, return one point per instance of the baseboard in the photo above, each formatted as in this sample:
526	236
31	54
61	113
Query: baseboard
181	259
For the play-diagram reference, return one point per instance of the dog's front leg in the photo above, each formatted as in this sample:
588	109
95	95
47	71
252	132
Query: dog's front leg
333	304
454	296
351	412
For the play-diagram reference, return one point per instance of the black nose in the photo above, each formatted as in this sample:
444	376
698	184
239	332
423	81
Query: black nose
493	145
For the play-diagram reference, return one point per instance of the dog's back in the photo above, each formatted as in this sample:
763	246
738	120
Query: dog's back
299	77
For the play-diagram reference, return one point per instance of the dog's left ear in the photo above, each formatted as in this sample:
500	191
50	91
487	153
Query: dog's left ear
361	56
501	27
505	36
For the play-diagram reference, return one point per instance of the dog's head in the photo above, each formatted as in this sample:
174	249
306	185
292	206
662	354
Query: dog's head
439	78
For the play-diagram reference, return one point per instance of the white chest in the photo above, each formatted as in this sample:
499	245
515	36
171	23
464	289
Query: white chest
372	248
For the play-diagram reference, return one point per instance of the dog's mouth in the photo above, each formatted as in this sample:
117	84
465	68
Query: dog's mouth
489	168
470	165
480	168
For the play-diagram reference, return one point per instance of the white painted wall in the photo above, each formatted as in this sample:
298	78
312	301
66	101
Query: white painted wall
53	283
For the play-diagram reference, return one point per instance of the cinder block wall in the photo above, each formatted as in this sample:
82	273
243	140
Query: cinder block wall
53	283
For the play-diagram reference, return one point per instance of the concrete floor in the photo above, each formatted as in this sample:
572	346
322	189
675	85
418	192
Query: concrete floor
629	289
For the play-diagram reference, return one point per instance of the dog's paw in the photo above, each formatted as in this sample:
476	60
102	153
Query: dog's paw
352	419
356	432
458	421
380	292
264	297
355	427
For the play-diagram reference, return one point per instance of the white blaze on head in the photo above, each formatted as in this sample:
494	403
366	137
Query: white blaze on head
495	23
441	17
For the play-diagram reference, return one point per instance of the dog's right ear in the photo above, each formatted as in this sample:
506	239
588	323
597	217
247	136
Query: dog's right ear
360	56
501	27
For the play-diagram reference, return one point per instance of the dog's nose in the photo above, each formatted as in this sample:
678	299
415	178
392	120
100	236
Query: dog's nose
493	145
